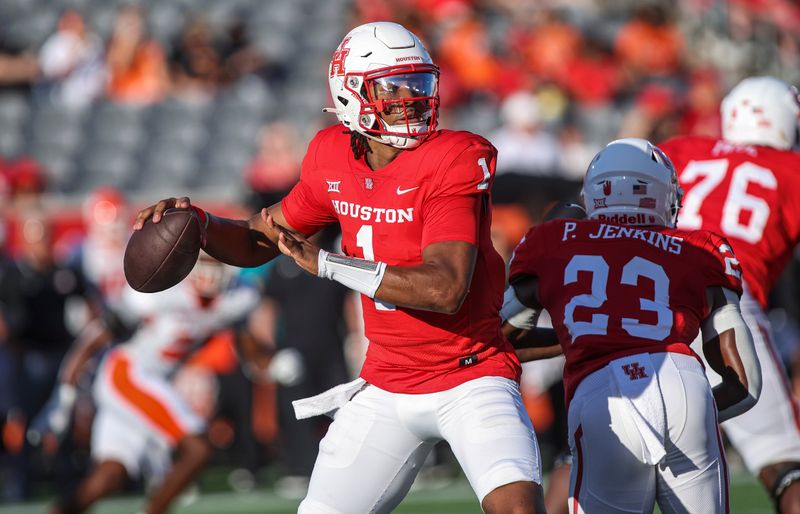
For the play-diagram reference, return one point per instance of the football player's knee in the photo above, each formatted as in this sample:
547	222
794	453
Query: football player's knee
195	447
100	485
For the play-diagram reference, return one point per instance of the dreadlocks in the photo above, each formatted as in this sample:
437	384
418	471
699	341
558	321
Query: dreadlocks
358	143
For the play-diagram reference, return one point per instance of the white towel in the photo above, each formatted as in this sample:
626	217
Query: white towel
637	381
329	402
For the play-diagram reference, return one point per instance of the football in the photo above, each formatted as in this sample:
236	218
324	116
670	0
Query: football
162	254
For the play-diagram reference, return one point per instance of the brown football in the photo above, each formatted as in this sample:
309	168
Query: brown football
161	254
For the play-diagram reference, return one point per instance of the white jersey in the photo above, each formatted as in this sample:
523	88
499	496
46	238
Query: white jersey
173	323
140	416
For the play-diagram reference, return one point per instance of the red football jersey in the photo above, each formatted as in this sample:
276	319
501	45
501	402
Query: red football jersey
436	192
749	194
613	290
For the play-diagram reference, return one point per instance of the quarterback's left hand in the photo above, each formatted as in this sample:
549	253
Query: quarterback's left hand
304	252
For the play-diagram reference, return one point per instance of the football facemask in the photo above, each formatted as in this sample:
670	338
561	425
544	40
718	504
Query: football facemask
384	85
403	104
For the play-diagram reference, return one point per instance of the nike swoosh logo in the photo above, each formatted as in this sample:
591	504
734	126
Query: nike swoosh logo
404	191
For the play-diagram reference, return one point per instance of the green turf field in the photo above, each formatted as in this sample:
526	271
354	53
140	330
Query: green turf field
747	497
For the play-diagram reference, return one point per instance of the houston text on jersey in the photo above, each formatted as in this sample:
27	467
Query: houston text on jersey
376	214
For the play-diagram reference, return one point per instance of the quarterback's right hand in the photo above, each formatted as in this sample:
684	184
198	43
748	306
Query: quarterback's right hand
157	210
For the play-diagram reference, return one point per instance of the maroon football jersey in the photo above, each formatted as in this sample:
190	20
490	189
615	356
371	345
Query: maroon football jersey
614	290
436	192
749	194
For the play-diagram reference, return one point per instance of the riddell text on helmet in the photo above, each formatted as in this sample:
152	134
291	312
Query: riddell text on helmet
628	219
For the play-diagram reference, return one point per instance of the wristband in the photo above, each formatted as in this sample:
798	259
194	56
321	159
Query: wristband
202	215
358	274
204	218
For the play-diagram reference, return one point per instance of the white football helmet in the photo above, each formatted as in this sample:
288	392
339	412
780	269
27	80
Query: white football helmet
384	85
632	182
209	278
761	111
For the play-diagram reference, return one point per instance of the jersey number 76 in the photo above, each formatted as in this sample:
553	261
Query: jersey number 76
708	175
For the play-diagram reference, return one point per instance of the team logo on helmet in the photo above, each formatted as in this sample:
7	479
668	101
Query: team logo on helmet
339	56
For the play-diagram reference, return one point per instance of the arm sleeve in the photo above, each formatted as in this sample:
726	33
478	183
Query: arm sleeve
303	208
454	212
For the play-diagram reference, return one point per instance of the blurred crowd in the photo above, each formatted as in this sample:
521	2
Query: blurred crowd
218	102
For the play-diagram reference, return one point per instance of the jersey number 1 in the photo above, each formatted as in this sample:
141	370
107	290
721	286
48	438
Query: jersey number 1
364	241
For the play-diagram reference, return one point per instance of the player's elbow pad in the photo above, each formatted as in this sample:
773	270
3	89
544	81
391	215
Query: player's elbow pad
516	313
729	317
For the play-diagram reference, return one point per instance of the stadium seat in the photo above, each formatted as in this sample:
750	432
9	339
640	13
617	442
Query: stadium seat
108	167
167	170
14	109
11	141
60	172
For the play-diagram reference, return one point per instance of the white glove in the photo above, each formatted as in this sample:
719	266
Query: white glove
55	415
286	367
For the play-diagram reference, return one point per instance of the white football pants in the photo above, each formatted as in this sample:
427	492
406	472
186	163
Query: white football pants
140	417
609	473
378	441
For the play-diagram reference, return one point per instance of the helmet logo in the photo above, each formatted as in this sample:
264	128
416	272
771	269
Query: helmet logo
599	203
339	56
607	187
640	188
